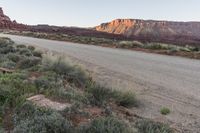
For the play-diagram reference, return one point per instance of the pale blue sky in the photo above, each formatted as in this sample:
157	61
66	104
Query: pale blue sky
86	13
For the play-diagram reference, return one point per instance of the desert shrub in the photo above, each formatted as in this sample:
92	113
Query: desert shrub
7	78
164	111
77	76
8	64
37	54
72	94
147	126
48	85
3	58
14	90
71	73
192	48
3	95
5	40
126	99
156	46
42	82
98	94
7	49
13	57
28	62
33	119
21	46
173	50
31	48
25	51
10	97
196	49
107	125
185	49
61	67
129	44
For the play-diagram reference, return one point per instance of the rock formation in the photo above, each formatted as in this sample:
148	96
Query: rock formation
6	23
150	30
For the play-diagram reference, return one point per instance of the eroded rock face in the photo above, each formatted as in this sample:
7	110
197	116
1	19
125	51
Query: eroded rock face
167	31
6	23
130	27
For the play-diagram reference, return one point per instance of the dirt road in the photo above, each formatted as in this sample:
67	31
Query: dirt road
158	80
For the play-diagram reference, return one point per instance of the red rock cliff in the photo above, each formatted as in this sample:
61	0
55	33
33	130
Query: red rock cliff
163	31
6	23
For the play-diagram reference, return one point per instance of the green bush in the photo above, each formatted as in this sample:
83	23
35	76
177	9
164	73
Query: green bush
13	57
10	97
157	46
3	58
185	49
28	62
71	94
21	46
13	90
31	48
129	44
8	64
7	49
173	50
107	125
30	119
48	85
37	54
147	126
195	49
164	111
99	95
25	51
4	41
72	74
42	82
126	99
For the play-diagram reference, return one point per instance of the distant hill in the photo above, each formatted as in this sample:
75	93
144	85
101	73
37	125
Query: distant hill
150	30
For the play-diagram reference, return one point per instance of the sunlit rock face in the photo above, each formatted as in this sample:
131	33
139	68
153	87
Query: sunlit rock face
136	27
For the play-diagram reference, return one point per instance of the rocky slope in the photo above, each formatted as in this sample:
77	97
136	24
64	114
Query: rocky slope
166	31
6	23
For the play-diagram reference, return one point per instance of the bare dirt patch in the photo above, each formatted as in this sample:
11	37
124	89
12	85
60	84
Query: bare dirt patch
41	101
